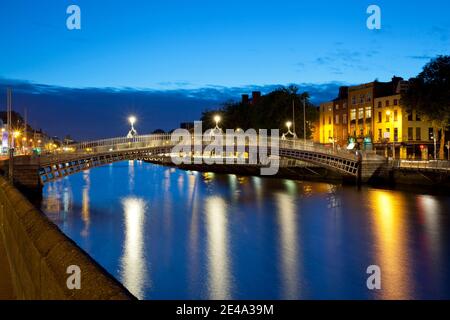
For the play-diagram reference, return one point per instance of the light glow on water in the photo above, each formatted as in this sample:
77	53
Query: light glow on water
171	234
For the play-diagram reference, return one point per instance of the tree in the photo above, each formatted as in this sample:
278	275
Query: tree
270	112
429	95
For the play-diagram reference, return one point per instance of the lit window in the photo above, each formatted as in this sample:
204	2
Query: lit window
360	113
352	114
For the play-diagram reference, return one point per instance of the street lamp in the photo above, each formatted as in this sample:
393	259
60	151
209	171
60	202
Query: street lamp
289	132
217	120
288	125
132	132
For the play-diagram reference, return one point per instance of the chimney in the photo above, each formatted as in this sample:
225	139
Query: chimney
245	99
256	95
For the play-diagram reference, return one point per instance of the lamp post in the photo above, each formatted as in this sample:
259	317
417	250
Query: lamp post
217	119
132	120
304	121
289	132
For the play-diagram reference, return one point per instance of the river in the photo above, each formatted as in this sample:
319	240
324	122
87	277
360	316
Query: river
172	234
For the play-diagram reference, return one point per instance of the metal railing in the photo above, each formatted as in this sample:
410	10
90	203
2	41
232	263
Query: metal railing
164	140
422	164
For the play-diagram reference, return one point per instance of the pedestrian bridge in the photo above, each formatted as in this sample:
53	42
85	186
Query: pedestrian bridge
87	155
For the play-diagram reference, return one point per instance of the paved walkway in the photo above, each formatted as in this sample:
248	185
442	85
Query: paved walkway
6	289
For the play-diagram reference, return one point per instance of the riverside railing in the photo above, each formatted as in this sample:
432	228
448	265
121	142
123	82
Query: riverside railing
443	165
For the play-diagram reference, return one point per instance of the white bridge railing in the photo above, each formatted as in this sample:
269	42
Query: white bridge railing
164	140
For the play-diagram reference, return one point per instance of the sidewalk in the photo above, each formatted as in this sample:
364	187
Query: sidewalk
6	289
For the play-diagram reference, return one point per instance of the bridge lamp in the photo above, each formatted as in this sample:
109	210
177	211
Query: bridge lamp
288	125
217	120
132	120
16	134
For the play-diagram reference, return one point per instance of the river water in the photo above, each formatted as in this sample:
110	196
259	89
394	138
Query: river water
172	234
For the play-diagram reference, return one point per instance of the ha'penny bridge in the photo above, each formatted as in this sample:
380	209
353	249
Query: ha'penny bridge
30	171
34	171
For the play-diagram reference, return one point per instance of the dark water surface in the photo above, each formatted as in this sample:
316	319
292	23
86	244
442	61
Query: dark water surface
171	234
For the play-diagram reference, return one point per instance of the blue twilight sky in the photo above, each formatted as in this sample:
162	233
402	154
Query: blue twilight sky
194	54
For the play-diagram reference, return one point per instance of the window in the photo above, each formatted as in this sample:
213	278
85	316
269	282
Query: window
352	114
361	132
368	112
329	120
410	116
353	100
388	118
337	107
329	134
410	134
418	134
380	134
380	104
380	117
395	134
361	98
387	103
344	119
336	120
344	106
395	115
369	97
330	108
361	113
417	117
395	102
323	120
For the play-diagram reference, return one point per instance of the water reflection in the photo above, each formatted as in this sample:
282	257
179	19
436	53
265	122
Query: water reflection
289	255
299	239
134	271
219	281
85	214
391	239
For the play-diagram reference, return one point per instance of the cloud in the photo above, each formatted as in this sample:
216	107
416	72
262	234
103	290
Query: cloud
420	57
93	113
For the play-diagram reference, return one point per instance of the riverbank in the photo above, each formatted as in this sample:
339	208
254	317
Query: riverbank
37	256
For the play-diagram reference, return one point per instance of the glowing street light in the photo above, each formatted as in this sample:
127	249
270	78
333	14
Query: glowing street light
132	132
289	132
217	120
217	129
288	125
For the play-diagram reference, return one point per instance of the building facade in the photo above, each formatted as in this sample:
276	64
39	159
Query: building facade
326	122
340	118
372	115
399	130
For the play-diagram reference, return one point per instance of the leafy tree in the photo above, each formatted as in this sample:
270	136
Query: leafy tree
429	95
270	112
